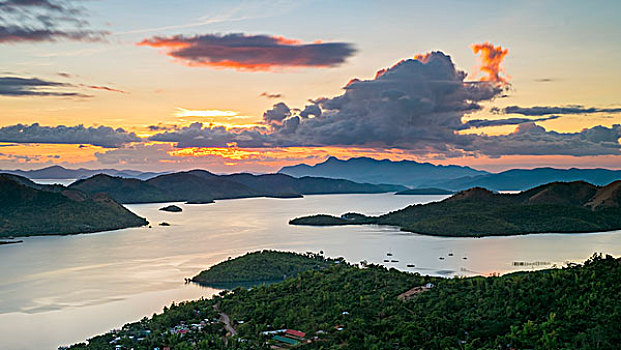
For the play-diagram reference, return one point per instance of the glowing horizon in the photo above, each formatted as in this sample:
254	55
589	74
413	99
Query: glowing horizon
246	92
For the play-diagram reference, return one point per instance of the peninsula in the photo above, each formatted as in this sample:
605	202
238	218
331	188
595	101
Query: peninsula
561	207
30	209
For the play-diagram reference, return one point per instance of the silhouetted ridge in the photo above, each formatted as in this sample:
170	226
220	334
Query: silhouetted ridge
39	210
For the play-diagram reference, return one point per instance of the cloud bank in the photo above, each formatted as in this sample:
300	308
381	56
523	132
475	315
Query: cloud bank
250	52
102	136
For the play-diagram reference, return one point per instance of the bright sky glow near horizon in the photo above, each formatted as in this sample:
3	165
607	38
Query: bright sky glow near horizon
233	86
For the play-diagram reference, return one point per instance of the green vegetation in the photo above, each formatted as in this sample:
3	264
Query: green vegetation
576	307
27	209
556	207
262	266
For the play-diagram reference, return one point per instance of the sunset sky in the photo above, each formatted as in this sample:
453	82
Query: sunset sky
234	86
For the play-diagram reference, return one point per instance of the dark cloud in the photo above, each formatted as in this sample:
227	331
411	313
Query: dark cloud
160	127
418	105
105	88
97	136
250	52
198	135
16	86
44	20
415	104
270	95
278	113
480	123
546	110
309	110
531	139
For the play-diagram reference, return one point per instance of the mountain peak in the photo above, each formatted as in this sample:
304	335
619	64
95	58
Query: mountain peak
370	170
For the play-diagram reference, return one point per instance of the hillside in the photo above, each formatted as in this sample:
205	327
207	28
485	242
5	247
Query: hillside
346	307
261	266
124	190
199	186
555	207
28	209
407	173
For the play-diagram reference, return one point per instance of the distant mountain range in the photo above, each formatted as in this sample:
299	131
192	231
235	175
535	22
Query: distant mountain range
405	172
521	179
556	207
28	209
58	172
200	186
453	178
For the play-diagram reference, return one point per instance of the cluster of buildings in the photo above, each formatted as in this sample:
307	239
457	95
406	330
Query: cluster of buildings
285	338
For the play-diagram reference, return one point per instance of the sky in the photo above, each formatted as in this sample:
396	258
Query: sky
233	86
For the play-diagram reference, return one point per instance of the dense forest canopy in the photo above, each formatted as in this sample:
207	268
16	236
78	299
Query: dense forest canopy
350	307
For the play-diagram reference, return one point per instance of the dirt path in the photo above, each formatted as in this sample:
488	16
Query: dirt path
224	318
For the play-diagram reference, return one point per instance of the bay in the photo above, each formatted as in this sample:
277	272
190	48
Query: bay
58	290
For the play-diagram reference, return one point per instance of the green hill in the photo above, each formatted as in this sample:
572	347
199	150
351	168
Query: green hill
555	207
262	266
346	307
28	209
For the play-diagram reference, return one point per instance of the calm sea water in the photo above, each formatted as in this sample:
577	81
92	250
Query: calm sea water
59	290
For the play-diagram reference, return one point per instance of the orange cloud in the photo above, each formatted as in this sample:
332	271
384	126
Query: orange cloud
490	59
250	52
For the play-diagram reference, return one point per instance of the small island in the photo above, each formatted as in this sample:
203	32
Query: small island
261	267
172	208
425	191
559	207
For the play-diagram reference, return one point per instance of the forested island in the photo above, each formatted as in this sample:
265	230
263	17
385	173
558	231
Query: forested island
28	209
261	266
371	307
562	207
